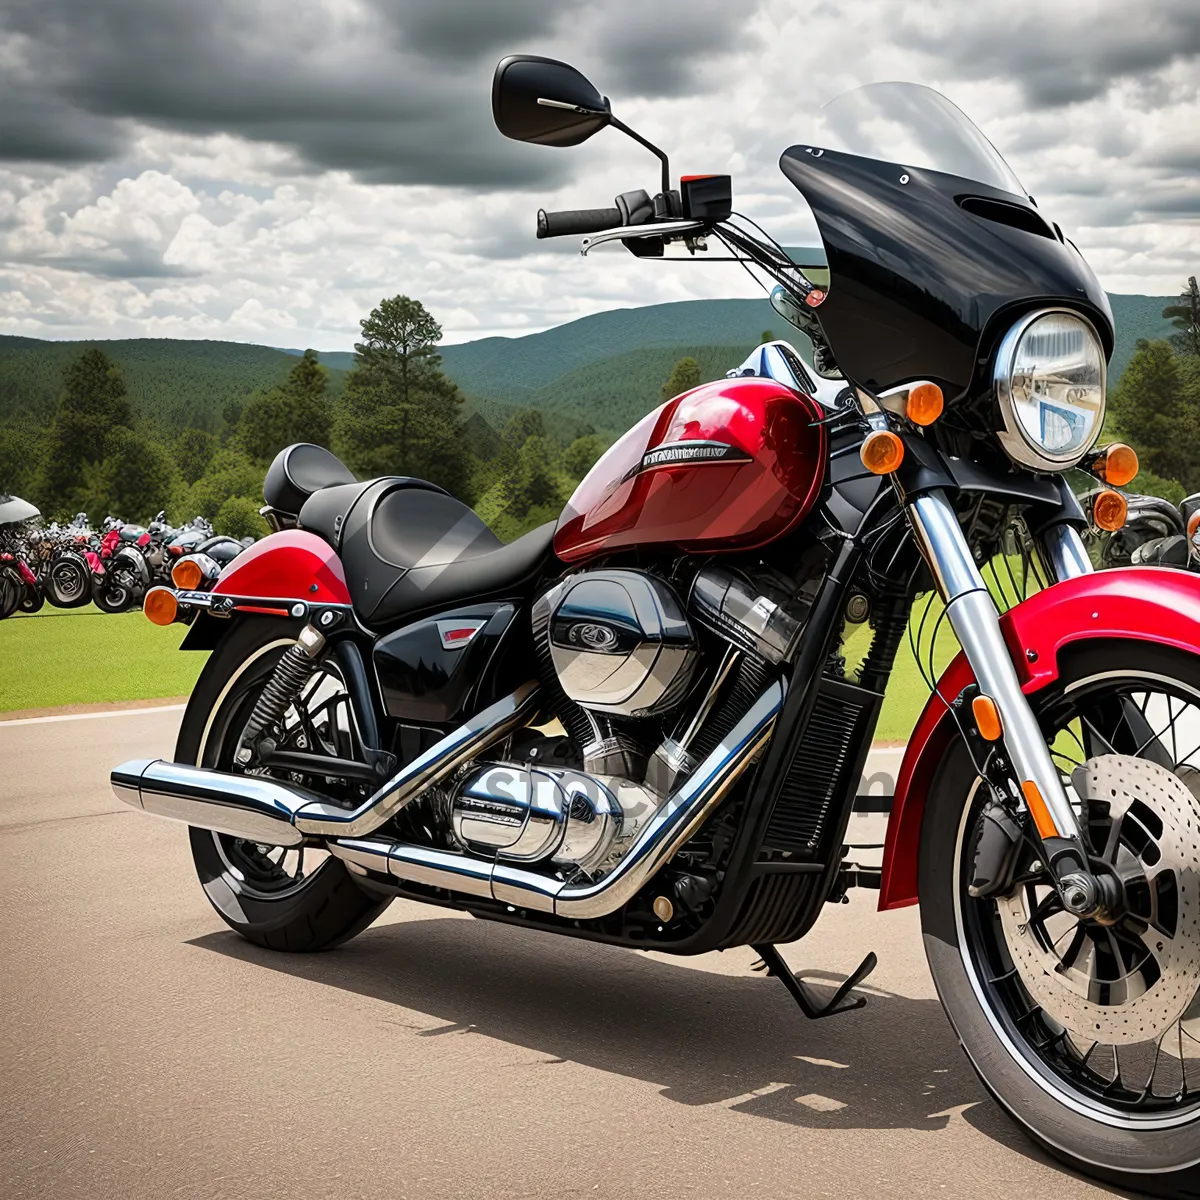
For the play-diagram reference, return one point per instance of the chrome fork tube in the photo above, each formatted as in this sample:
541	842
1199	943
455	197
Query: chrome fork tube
1065	553
976	624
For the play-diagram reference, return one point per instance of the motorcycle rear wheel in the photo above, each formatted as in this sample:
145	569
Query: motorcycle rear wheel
68	581
1082	1110
261	891
33	599
112	597
11	588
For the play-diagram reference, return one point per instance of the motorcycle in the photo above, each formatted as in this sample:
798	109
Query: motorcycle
1157	533
20	588
635	724
136	557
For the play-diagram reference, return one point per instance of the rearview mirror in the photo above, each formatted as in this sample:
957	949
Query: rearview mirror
546	102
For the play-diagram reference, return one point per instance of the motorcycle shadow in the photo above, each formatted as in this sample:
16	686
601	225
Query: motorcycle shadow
703	1038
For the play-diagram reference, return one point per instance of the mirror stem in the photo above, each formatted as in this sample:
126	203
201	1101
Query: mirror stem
637	137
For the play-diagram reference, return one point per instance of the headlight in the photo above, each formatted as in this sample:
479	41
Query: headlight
1050	378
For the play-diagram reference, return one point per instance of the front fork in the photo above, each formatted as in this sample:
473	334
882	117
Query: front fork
976	624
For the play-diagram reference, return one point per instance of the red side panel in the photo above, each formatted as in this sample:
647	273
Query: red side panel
292	565
1150	604
730	465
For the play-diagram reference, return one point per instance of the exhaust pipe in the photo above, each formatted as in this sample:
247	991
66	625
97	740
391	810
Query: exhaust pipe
278	814
671	826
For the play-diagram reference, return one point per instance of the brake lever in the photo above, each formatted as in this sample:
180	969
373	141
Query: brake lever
650	229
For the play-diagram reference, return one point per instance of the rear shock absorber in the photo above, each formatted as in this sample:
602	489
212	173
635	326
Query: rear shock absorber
290	675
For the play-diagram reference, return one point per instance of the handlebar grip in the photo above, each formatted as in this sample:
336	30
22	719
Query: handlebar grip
576	220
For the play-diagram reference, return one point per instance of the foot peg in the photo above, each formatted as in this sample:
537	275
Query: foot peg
772	962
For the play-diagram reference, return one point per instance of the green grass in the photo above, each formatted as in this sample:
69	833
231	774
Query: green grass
84	656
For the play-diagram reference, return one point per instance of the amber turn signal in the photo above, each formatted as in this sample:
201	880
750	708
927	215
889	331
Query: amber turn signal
925	403
1116	465
160	606
186	575
1193	524
882	452
987	718
1109	511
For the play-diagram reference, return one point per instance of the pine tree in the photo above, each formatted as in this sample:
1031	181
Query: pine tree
296	411
231	473
92	406
521	426
194	450
400	414
684	376
136	478
238	518
1185	316
1151	409
22	448
582	454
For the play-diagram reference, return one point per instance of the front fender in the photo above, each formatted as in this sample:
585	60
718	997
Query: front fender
1150	604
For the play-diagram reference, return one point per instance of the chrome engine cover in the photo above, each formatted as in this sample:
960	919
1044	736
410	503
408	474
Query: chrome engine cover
619	641
523	813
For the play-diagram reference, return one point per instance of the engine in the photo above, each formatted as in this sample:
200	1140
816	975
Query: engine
624	658
619	642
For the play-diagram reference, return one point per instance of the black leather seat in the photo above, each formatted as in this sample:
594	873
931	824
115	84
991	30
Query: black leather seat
409	546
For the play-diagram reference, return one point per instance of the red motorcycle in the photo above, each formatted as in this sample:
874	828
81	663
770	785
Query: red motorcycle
20	589
636	724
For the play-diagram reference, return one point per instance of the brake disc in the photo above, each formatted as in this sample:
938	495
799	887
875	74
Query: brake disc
1131	981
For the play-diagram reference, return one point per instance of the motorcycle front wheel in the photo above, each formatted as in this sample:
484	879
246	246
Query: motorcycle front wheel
297	899
1087	1033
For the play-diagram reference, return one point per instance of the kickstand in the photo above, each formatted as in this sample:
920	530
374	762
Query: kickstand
773	961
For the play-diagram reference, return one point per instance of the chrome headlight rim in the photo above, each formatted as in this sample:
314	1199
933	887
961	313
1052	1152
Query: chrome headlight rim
1016	440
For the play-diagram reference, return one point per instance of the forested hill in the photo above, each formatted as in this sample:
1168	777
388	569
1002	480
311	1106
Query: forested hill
514	369
604	369
178	384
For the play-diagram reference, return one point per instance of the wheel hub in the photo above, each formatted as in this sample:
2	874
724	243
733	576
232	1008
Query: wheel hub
1132	980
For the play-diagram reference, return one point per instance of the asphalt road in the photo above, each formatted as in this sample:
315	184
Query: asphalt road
145	1051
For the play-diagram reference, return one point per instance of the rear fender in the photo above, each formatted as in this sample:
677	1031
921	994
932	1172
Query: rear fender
275	573
1149	604
288	566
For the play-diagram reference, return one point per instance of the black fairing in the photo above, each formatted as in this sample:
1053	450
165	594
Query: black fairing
424	681
925	275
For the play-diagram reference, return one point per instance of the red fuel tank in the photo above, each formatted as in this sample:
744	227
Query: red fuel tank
730	465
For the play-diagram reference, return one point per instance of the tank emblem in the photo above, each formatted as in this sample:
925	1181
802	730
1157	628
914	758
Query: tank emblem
689	453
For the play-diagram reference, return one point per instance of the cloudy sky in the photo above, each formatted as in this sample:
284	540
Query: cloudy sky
267	170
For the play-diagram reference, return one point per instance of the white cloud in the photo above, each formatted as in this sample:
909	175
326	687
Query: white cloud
212	234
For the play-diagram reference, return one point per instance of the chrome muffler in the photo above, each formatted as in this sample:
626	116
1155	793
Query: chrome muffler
278	814
674	822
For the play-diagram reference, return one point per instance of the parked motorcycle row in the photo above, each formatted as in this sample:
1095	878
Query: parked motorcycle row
112	567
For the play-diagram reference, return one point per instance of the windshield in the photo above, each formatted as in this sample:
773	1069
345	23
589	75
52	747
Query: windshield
914	125
932	243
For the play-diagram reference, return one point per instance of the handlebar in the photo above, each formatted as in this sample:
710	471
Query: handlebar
576	220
